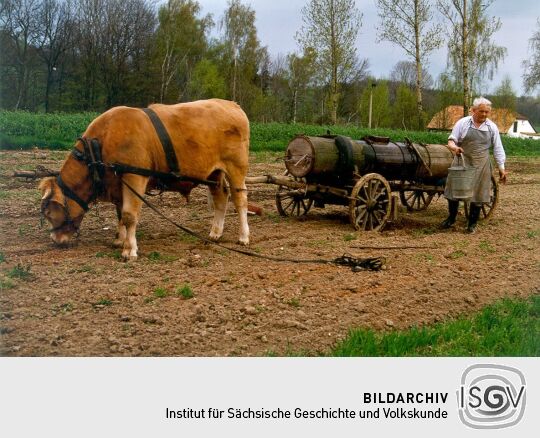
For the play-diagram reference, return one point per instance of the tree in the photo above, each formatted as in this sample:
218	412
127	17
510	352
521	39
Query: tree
19	20
242	46
57	28
405	72
448	93
181	43
531	67
472	54
112	35
407	23
301	70
330	28
505	96
380	111
404	108
206	81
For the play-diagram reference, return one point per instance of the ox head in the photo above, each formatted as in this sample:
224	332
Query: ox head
64	214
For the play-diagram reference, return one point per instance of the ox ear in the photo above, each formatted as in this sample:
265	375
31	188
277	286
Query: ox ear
46	187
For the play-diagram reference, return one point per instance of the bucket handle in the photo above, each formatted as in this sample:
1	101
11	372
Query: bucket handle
459	158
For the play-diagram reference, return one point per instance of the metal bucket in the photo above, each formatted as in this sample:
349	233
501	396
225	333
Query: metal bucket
462	178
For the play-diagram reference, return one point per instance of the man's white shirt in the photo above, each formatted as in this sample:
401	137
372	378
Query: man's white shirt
462	127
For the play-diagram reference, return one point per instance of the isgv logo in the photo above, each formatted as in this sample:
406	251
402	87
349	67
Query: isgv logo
491	396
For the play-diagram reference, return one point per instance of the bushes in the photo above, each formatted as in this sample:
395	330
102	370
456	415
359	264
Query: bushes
23	130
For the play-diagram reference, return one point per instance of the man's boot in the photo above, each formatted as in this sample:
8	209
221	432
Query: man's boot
474	215
453	207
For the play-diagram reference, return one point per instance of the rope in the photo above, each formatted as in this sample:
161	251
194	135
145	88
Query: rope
371	263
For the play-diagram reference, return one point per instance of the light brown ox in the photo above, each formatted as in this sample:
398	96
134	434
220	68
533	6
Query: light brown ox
210	138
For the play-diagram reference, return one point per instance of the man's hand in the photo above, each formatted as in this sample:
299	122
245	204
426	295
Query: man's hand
502	176
456	150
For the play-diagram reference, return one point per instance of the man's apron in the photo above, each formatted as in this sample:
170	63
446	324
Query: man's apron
475	147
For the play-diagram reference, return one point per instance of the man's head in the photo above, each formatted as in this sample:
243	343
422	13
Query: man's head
481	109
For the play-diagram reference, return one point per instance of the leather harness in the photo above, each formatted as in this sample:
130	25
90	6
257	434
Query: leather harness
92	157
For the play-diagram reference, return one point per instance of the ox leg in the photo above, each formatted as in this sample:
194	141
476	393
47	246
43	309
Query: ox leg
239	198
220	198
131	207
121	230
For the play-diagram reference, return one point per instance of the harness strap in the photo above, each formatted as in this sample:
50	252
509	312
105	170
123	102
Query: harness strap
165	139
71	194
120	168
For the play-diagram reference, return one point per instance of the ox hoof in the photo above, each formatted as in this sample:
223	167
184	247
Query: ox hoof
214	236
129	256
244	241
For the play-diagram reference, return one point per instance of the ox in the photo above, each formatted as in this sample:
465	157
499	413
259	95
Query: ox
209	137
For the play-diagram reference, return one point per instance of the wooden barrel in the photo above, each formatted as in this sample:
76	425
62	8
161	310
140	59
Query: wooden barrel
321	155
438	158
341	156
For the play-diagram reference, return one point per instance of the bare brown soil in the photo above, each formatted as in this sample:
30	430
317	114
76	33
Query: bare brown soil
84	301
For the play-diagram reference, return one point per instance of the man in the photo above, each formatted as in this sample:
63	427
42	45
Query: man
472	136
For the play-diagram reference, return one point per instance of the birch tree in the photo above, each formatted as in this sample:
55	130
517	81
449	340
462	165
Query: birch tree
472	55
181	43
330	27
300	74
409	25
531	74
241	44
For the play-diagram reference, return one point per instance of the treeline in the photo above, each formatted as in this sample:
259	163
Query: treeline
90	55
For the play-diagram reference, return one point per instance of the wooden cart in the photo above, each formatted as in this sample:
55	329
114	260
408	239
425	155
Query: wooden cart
365	175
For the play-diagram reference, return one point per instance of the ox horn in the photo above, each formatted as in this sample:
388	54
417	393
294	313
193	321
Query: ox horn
47	193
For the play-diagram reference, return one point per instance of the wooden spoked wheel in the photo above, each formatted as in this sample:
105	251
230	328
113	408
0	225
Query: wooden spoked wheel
292	202
487	207
415	200
370	204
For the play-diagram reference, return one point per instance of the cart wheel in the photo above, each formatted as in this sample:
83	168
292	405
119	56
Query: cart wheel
487	207
290	202
415	200
370	206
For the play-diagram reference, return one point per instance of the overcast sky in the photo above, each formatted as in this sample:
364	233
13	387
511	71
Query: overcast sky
279	20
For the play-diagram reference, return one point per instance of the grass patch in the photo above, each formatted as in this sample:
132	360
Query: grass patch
186	238
349	236
84	268
426	257
294	302
103	302
510	327
425	231
155	256
2	257
160	292
456	254
486	246
21	272
6	284
116	254
4	194
185	291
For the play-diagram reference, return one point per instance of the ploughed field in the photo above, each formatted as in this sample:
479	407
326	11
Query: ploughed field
186	298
